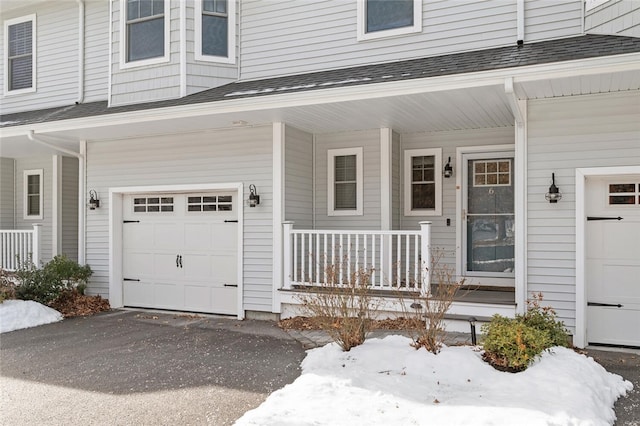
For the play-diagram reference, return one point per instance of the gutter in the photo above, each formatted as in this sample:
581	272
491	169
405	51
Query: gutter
81	26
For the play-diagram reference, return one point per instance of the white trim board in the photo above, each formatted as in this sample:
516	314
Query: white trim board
115	232
580	338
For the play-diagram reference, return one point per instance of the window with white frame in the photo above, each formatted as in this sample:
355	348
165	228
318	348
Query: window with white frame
33	196
215	30
345	186
387	18
20	49
423	182
145	30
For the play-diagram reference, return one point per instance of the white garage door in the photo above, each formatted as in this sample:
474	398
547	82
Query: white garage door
613	260
180	252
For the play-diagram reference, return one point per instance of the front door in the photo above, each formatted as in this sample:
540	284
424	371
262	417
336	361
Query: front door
488	218
613	260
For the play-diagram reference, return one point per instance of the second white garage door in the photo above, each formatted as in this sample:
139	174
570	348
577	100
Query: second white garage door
180	252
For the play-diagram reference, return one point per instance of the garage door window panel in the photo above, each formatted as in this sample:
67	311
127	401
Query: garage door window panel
624	194
210	203
153	205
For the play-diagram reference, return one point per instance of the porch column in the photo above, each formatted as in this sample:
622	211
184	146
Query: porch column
287	226
37	246
425	251
278	138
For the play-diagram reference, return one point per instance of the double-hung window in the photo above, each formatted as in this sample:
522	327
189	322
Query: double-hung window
387	18
345	184
423	182
20	49
146	31
33	197
215	30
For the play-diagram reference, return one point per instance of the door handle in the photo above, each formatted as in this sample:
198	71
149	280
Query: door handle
180	261
177	260
611	305
603	218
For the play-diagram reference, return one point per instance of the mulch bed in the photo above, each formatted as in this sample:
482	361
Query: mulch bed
307	323
73	304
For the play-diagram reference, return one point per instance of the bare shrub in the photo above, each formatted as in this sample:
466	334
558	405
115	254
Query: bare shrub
344	310
7	285
426	311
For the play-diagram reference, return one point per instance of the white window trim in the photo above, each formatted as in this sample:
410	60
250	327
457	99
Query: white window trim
26	174
331	154
124	41
363	35
231	37
34	57
408	155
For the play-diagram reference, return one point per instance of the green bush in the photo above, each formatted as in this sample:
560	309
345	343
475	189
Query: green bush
511	344
45	284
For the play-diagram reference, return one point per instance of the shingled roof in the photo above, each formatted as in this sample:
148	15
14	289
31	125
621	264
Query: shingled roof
545	52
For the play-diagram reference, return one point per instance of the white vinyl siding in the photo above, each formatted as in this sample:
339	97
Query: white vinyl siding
55	59
289	37
606	129
298	178
44	164
234	155
96	43
369	141
443	236
7	193
548	19
619	17
136	82
69	208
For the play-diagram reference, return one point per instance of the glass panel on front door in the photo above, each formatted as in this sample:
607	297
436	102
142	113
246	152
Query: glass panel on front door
490	217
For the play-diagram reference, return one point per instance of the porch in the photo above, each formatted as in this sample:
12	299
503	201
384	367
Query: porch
398	265
19	246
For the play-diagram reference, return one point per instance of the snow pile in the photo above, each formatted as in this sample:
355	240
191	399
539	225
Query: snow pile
17	314
387	382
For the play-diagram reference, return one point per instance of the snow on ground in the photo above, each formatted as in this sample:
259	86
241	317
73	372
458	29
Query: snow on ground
387	382
17	314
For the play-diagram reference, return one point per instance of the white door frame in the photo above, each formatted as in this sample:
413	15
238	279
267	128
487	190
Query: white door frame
580	338
460	185
115	231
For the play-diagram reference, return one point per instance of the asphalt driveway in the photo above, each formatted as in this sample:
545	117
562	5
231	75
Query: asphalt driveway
142	368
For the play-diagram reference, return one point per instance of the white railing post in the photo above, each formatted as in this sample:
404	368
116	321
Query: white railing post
425	252
288	253
35	255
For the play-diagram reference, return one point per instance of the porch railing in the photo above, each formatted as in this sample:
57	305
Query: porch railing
392	260
17	246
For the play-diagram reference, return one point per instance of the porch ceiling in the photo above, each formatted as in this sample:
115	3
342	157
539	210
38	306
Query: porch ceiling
424	106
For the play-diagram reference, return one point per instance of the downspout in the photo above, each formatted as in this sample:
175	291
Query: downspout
183	49
520	22
81	25
81	185
239	56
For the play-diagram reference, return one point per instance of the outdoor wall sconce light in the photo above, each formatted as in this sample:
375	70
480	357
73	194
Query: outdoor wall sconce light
94	203
254	199
448	169
554	195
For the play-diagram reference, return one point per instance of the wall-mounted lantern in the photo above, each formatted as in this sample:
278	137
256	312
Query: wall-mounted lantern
448	169
254	198
94	202
554	195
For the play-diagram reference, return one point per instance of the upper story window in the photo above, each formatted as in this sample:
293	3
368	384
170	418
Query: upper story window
423	182
345	186
215	30
146	32
33	197
387	18
20	49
